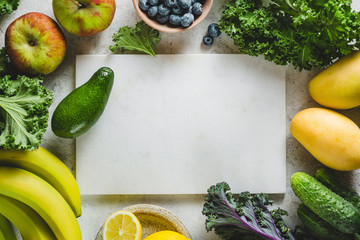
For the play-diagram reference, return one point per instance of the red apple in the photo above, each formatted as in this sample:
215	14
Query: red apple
35	44
84	17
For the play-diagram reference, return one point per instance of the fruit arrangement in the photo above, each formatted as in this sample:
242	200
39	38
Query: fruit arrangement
39	194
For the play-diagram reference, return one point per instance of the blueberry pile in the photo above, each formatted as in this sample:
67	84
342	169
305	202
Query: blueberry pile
173	12
213	32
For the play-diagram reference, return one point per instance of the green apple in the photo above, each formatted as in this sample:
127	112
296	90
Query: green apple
35	44
84	17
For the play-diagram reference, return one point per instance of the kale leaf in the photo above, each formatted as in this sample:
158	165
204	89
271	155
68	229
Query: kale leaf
6	67
8	6
305	33
24	112
142	38
245	217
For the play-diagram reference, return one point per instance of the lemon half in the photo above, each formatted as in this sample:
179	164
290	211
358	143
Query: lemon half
166	235
122	225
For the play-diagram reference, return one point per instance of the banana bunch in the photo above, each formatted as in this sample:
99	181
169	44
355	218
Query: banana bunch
6	230
39	195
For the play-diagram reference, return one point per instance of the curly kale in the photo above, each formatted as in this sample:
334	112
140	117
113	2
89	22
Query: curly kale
245	217
142	38
24	112
305	33
8	6
6	67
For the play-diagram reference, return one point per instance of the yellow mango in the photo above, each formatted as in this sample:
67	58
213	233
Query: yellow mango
330	137
338	86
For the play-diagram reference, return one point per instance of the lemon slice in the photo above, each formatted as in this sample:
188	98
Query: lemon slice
166	235
122	225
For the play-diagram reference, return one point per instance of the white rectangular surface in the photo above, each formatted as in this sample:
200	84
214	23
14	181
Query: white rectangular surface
177	124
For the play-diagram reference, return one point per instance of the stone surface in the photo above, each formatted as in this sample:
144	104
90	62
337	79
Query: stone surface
186	207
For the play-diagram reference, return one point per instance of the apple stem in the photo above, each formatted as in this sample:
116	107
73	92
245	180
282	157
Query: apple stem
31	43
79	4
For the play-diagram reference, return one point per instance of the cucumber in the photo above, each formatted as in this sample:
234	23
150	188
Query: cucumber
81	109
328	177
329	206
318	227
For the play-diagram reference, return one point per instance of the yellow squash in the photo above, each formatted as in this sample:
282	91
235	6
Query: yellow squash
330	137
338	86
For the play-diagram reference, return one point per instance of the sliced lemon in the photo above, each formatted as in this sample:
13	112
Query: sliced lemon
166	235
122	225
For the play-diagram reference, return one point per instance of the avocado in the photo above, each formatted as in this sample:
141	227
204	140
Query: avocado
81	109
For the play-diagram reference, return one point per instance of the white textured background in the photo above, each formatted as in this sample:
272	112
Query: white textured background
188	208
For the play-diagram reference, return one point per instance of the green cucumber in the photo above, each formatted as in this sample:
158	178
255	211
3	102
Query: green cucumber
329	206
318	227
81	109
338	185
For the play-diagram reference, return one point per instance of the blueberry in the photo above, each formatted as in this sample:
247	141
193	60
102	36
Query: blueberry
177	9
208	40
214	30
175	19
154	2
193	1
190	9
197	9
164	10
144	5
162	19
187	20
170	3
184	4
152	11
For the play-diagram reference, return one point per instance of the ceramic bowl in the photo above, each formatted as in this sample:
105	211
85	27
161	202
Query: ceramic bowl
154	219
167	28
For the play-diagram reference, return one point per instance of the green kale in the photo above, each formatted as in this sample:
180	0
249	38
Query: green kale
142	38
305	33
24	112
8	6
6	67
245	217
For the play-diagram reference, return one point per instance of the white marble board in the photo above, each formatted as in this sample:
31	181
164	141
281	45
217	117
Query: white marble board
176	124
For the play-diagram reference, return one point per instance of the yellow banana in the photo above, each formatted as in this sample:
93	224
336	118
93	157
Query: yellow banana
47	166
25	219
38	194
6	230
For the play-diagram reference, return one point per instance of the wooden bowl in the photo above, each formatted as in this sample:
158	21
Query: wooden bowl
166	27
154	219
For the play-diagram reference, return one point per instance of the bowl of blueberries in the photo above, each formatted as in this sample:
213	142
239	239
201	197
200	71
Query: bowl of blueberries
172	16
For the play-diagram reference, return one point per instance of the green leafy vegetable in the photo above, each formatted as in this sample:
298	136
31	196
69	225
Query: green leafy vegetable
8	6
24	113
306	33
245	217
6	67
142	38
